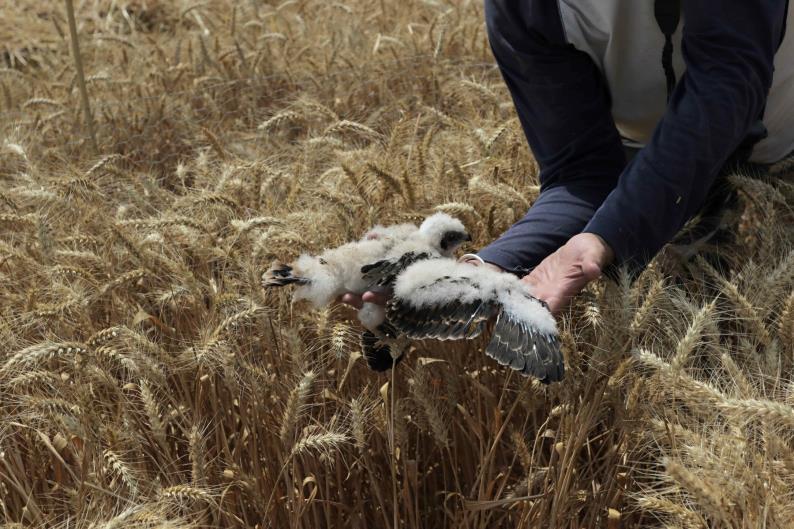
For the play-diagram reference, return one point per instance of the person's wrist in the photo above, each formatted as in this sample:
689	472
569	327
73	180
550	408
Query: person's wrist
597	249
476	260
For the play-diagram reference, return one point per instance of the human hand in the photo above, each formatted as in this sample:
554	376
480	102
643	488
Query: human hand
561	276
357	301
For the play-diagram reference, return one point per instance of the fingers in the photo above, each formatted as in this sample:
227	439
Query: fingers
591	270
554	290
354	300
378	298
531	279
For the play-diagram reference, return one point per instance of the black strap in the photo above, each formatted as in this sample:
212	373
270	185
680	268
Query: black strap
668	14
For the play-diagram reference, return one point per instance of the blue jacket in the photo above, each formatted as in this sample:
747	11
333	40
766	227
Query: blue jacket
563	95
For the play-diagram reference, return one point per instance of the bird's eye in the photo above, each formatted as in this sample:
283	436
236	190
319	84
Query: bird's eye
452	239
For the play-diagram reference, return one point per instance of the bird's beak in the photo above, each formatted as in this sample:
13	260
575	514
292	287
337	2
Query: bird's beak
468	237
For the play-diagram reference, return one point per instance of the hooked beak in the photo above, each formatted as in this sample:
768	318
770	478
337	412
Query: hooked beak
468	237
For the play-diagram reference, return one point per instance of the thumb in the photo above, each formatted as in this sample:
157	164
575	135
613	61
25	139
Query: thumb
378	298
590	270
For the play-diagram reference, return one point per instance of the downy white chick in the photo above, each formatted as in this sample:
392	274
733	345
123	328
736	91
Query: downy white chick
370	264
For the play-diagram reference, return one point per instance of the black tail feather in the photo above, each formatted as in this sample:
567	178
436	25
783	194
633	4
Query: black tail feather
279	275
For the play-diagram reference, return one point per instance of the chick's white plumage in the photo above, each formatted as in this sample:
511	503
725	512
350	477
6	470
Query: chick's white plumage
370	263
447	300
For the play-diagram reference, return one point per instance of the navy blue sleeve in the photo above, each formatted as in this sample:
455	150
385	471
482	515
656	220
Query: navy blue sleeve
729	48
563	103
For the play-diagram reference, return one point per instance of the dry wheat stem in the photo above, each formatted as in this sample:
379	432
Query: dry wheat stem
151	382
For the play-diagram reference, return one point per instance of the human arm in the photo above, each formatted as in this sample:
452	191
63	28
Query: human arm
729	53
573	138
728	48
563	104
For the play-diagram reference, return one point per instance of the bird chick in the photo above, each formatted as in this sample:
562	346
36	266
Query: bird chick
370	264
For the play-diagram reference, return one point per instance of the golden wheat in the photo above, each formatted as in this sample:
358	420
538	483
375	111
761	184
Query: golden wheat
149	381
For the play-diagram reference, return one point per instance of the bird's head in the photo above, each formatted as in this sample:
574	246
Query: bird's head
444	232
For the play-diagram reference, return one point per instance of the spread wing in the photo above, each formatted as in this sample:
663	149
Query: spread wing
447	319
524	343
444	300
451	321
384	272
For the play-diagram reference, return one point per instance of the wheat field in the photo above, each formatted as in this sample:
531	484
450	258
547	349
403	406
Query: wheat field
148	381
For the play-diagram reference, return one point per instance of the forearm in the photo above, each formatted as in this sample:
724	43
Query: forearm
572	137
558	214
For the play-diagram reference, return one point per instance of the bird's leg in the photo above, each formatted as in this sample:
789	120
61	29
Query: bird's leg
381	344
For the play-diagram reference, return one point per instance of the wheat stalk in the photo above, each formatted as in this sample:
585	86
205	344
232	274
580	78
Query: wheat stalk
643	314
320	443
757	409
748	313
295	406
78	62
689	518
706	494
745	388
187	494
122	470
153	414
693	334
420	385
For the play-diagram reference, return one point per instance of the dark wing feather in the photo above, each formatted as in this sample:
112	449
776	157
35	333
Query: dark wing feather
377	355
280	274
451	320
518	344
384	272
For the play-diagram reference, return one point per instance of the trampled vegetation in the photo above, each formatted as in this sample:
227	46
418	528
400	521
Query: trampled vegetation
147	380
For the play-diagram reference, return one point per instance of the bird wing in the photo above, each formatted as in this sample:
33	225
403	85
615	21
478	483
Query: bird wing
447	321
442	300
445	300
280	274
524	339
383	272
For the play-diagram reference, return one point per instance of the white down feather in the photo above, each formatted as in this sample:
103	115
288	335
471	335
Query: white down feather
420	286
338	270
